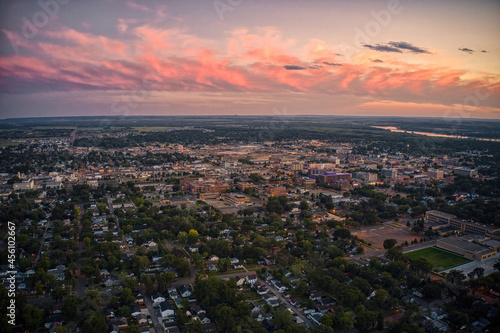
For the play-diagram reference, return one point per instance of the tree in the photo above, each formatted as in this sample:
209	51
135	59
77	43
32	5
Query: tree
140	264
342	233
70	307
282	319
32	317
458	319
148	283
478	272
365	320
59	293
389	243
126	297
431	290
94	322
456	277
193	236
496	265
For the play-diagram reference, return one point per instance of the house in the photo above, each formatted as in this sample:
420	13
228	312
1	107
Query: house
185	290
135	310
251	279
141	318
157	297
239	281
261	290
196	309
213	258
203	318
267	276
193	248
172	293
235	261
269	297
110	281
172	327
166	310
317	295
269	261
151	244
53	320
316	318
212	268
139	298
119	323
280	287
268	325
210	328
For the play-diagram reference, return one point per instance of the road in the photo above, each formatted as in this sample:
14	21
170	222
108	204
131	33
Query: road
287	303
159	328
82	280
112	211
42	242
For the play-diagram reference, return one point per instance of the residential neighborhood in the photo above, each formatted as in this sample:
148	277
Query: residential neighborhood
289	236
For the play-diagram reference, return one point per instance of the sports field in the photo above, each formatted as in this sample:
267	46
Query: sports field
440	260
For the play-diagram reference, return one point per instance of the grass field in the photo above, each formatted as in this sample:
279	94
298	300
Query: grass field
440	260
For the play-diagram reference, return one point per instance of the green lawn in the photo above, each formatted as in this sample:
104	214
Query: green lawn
440	260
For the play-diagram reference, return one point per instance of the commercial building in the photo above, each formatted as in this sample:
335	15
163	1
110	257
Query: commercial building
24	185
467	249
366	176
466	172
390	173
435	174
437	220
236	199
331	177
195	186
276	191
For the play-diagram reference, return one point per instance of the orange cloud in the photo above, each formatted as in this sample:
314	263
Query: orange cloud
247	62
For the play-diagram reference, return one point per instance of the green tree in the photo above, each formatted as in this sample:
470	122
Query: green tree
32	317
70	307
389	243
94	322
192	236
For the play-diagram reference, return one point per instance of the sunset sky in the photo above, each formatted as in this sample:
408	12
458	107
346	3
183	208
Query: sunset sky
250	57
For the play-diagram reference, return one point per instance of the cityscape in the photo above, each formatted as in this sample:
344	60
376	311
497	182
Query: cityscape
250	166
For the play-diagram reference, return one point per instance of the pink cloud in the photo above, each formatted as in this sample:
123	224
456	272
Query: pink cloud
247	62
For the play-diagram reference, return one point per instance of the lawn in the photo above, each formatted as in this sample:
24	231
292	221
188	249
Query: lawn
440	260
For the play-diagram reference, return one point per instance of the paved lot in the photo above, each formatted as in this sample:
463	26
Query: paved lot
377	234
469	267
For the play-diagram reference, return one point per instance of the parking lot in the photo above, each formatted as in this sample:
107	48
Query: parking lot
486	264
377	234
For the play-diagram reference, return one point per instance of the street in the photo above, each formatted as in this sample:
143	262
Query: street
287	303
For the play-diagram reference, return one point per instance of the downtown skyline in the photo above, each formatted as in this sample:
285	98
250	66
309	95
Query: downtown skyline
227	57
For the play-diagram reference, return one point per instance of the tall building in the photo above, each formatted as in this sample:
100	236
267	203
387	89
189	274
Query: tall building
390	173
466	172
437	220
435	174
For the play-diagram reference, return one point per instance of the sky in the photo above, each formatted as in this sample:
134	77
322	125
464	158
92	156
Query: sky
250	57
